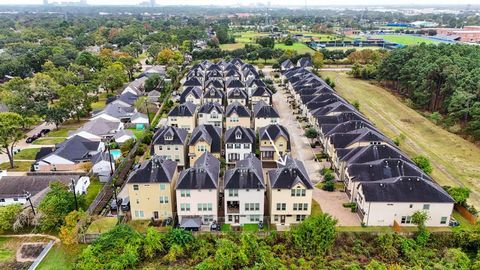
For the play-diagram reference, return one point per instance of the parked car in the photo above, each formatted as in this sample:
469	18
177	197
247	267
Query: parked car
125	206
45	131
30	139
453	222
114	204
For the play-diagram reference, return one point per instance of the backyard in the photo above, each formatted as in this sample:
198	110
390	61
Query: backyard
456	161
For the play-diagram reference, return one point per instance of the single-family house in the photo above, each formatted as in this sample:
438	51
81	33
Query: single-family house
239	143
171	143
237	95
237	115
264	115
183	116
211	113
274	142
205	138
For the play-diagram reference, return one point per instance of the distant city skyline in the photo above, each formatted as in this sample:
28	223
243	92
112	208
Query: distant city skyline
253	2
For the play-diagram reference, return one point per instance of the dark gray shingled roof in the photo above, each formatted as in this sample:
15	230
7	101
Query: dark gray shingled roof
304	62
235	83
240	134
345	127
14	186
214	83
193	81
101	156
128	97
168	135
373	152
210	106
75	149
203	175
262	91
184	109
237	93
238	108
117	111
155	170
384	169
405	189
211	134
287	64
274	131
196	91
343	140
99	127
213	92
285	177
263	110
247	174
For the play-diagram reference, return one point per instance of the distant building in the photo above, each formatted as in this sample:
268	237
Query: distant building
466	34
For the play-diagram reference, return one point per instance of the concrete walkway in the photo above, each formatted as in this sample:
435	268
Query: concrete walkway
332	203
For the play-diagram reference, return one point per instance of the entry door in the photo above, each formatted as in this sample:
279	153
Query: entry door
155	215
282	219
237	219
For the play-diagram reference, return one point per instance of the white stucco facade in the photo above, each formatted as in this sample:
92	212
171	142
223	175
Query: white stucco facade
197	202
236	151
250	206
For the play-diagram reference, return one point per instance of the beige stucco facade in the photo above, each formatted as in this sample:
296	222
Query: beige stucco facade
281	144
152	200
234	120
176	152
188	123
196	150
285	209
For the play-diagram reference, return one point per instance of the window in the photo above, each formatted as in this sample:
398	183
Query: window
298	192
15	199
237	146
254	218
300	206
135	187
275	217
141	214
202	148
426	207
406	220
229	146
208	218
163	199
230	218
184	193
209	207
162	186
443	220
411	205
281	206
2	200
233	192
185	207
246	146
300	218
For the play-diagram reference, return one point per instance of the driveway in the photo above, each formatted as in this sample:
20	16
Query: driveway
300	144
332	203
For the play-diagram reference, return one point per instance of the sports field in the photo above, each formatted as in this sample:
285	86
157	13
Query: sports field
300	48
407	39
456	161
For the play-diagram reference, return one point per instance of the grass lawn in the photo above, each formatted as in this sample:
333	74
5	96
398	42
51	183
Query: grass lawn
231	47
137	132
316	209
92	191
48	141
61	132
407	39
250	228
20	166
351	47
102	225
382	229
464	223
139	225
455	161
61	257
226	228
6	254
27	154
300	48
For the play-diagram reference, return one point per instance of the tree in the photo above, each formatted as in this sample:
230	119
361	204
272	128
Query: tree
459	194
172	73
56	115
154	243
45	88
315	235
265	53
266	42
317	60
423	163
69	232
113	76
179	237
118	248
75	99
456	259
311	133
153	82
130	64
58	202
8	214
10	133
228	255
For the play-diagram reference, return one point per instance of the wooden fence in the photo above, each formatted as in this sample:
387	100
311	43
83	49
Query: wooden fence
466	214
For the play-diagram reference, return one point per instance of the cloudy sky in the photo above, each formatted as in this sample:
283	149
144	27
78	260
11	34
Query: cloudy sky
249	2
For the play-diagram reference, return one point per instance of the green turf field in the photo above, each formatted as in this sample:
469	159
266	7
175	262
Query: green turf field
407	39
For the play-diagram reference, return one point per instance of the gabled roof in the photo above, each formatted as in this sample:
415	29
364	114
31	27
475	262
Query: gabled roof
213	92
195	91
287	64
262	92
344	140
122	133
117	111
235	83
214	67
237	93
373	152
15	186
384	169
247	174
203	175
240	134
98	127
193	81
263	110
274	131
213	74
236	61
345	127
168	135
232	73
304	62
128	98
340	118
293	173
75	149
255	81
208	133
155	170
237	108
405	189
216	83
184	109
211	106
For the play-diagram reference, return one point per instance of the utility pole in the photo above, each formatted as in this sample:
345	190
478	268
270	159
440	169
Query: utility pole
28	195
110	157
148	113
74	193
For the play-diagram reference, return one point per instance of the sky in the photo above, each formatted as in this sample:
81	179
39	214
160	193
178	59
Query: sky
249	2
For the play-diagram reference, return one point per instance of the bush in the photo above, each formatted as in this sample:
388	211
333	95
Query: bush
127	146
315	235
328	186
140	150
423	163
328	177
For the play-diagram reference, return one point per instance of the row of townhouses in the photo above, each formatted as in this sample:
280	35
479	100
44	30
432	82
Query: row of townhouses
386	184
224	107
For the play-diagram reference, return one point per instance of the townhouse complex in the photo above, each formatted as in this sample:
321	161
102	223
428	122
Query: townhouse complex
209	162
385	184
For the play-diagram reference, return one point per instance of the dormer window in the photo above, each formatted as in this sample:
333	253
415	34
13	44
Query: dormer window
238	135
168	137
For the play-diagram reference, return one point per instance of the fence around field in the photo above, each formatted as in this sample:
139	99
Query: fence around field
466	214
42	255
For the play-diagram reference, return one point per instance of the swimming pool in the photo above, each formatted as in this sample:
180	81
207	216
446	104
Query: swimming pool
116	153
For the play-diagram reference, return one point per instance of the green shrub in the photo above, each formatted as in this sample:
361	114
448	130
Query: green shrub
329	186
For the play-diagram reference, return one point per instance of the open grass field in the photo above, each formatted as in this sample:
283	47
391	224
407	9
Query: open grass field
26	154
19	166
407	39
61	132
49	140
102	225
61	257
93	190
455	161
300	48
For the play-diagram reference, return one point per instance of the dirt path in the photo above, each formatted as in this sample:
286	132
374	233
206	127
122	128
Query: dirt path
51	237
